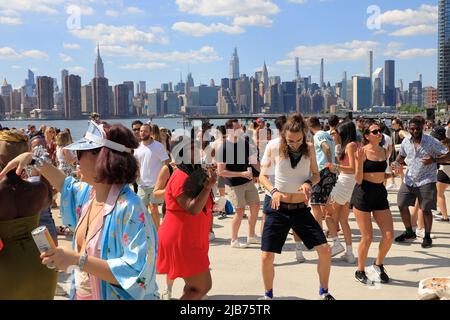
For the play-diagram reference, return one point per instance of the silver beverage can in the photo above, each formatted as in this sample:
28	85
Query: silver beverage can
43	240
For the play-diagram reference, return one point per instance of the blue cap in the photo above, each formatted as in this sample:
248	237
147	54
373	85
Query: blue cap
94	138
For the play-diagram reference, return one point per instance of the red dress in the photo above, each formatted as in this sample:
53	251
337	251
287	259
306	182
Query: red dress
183	238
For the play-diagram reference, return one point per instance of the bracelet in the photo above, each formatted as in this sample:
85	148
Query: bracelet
82	261
273	191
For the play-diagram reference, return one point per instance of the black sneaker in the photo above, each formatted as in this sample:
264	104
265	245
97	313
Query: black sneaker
405	236
427	243
361	277
381	272
327	296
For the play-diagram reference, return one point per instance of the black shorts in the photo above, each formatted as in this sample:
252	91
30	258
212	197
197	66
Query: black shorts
427	195
443	177
321	191
369	197
267	206
278	223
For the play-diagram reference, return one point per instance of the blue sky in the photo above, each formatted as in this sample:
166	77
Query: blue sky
155	40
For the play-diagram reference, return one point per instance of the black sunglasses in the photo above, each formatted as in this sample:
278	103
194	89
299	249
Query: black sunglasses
375	132
81	152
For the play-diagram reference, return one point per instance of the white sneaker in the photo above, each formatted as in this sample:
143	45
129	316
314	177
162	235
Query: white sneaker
265	298
299	256
420	233
337	248
254	240
166	295
212	236
238	245
349	258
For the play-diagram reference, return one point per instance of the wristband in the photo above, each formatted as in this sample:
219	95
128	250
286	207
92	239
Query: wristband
273	191
82	261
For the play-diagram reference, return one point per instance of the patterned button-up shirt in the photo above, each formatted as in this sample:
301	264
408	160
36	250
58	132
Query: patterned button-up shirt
419	174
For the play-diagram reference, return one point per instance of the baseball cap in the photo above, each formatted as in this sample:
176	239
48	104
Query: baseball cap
94	138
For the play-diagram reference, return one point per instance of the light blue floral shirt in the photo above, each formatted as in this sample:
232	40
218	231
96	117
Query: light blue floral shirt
126	240
417	173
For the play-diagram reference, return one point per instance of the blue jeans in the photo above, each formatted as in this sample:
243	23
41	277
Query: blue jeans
46	219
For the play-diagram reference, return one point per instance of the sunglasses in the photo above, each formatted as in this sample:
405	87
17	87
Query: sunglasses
375	132
81	152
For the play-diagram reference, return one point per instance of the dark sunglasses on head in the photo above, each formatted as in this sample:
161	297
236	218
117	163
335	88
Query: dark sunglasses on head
375	132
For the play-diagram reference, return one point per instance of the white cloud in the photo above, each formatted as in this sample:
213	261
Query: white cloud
199	29
255	20
73	46
415	30
77	70
38	6
84	10
298	1
311	55
112	13
16	67
414	22
396	50
205	54
134	10
228	8
9	13
110	35
426	14
10	21
10	53
143	65
65	57
35	54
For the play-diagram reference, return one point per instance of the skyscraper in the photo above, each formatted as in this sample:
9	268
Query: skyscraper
44	92
86	99
321	74
389	83
265	77
142	87
344	86
64	74
72	97
444	52
6	88
377	87
371	71
121	100
190	80
234	65
361	93
99	68
297	69
100	96
30	84
130	86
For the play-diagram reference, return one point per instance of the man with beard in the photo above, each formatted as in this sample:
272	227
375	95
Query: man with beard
423	153
151	156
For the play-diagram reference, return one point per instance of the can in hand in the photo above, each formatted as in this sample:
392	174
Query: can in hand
43	241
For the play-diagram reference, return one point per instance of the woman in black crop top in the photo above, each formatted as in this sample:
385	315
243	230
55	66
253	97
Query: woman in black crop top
370	196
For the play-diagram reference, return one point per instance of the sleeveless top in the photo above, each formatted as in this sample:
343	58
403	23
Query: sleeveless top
288	179
371	166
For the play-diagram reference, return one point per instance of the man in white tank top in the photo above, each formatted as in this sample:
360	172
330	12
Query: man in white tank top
295	174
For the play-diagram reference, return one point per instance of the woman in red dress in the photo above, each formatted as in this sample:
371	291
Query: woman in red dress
183	238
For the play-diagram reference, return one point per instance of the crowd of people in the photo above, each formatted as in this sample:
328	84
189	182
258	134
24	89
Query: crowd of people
114	181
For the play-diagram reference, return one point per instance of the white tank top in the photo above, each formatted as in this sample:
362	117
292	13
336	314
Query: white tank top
60	155
289	180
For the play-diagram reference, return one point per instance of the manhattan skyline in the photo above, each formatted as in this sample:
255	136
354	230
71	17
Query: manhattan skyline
155	41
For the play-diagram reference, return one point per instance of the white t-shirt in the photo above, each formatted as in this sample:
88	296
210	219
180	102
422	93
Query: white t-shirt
387	141
150	160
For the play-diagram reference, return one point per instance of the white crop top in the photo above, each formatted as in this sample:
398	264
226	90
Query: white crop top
289	180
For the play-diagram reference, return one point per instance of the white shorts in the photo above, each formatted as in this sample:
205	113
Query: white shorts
343	190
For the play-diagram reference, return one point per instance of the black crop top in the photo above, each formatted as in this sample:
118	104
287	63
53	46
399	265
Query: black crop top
374	166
